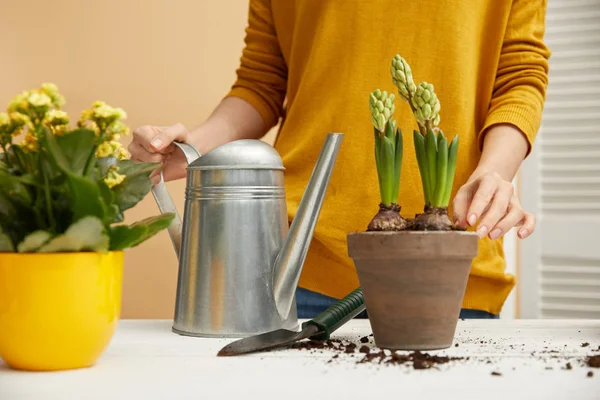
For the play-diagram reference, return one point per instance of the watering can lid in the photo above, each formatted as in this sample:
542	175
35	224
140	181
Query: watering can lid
240	154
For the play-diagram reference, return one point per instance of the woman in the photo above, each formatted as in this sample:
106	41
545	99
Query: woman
312	65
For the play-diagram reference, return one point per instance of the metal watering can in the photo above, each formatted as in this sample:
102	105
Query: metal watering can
239	259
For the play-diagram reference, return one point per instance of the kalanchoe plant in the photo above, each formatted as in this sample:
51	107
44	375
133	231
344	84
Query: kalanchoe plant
64	189
435	157
388	157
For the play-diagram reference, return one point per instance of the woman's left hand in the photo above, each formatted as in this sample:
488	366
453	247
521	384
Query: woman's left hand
492	201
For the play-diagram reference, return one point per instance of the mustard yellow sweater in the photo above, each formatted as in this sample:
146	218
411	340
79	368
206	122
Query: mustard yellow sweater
312	64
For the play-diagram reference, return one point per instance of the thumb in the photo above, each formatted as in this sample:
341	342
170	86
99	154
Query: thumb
175	133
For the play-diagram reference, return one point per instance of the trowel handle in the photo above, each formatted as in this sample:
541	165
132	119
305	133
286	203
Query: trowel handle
338	314
165	202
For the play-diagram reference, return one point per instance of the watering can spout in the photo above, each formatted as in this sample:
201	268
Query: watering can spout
165	202
291	256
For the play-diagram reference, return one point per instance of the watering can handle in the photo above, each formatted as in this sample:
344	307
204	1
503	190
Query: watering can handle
165	201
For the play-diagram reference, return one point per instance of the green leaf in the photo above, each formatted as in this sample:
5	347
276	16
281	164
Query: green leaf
136	184
452	156
77	146
71	151
389	130
14	189
122	236
431	157
398	139
6	244
378	161
86	234
133	168
86	198
104	164
387	160
419	142
33	241
55	152
20	159
442	168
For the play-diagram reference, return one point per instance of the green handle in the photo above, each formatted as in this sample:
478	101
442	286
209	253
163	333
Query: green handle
338	314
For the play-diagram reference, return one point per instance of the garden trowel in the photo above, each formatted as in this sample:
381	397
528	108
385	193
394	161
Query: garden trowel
318	328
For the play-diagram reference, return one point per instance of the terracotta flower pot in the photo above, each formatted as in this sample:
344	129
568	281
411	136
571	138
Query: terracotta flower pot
58	311
413	283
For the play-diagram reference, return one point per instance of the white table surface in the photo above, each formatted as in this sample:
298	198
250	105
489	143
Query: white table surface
145	360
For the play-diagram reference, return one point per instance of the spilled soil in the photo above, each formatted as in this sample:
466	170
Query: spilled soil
363	351
594	361
373	355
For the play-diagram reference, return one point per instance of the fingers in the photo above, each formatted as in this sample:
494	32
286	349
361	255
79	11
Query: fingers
156	139
139	153
498	208
460	204
528	226
168	135
514	216
488	185
155	178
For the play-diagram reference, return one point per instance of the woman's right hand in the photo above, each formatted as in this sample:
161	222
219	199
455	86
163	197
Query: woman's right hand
155	144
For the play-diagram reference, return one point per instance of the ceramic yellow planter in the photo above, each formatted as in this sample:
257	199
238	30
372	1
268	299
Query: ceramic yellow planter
58	311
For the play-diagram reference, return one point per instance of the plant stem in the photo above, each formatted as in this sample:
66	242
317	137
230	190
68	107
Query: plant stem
88	163
442	167
452	156
47	194
6	156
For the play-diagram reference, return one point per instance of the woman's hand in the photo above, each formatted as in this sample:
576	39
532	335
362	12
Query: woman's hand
155	144
491	200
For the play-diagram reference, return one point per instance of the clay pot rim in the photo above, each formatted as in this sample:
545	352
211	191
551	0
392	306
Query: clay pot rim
408	232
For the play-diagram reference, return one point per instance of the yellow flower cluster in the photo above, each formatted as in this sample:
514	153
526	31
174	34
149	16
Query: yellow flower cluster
57	121
37	100
103	118
112	148
41	107
30	108
113	178
12	125
30	142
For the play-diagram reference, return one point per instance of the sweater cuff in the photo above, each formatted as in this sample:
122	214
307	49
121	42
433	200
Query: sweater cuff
255	100
521	117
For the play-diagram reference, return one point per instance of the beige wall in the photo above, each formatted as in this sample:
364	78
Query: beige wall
162	61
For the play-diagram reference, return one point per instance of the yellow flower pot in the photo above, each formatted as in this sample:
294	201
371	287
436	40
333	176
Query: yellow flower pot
58	311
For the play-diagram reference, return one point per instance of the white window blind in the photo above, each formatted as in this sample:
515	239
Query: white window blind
560	183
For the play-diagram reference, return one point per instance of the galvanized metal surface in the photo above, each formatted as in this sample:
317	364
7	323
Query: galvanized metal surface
238	266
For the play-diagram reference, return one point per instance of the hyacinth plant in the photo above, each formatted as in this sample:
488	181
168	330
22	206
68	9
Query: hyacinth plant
66	189
388	158
436	157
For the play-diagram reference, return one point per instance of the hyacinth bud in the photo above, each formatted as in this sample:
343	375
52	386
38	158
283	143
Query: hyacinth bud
426	104
382	108
402	77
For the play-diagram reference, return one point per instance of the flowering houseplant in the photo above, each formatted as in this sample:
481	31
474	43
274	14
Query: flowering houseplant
405	264
63	194
64	189
435	157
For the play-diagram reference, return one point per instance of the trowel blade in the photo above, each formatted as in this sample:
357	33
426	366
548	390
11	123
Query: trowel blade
269	340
